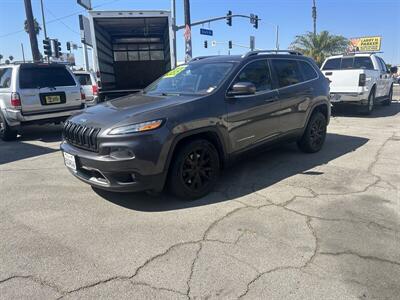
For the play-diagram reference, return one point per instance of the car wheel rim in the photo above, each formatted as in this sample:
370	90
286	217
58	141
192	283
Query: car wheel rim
317	133
197	170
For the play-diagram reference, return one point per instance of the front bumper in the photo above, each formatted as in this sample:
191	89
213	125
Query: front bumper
139	173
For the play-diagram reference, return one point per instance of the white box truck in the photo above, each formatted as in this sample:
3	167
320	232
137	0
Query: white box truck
131	49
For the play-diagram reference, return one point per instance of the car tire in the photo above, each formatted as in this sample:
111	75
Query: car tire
6	132
367	109
388	101
314	135
194	170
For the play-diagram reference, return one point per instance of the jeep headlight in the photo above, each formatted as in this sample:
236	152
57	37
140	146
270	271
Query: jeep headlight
139	127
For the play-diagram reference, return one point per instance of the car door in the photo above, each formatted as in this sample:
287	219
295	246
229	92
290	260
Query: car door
386	78
381	80
295	93
253	119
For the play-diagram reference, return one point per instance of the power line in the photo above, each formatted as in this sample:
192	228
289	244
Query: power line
61	18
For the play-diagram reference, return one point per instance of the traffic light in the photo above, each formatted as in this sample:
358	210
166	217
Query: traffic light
255	22
230	44
47	47
229	18
205	44
68	46
57	48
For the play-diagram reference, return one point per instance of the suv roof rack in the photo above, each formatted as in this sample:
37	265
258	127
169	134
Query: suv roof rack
291	52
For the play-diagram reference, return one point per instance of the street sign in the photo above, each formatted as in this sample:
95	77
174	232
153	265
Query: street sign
204	31
85	4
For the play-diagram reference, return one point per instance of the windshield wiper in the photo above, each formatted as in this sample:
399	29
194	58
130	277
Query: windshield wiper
170	94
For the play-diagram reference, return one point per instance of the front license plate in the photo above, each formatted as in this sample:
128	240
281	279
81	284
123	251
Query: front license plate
52	99
69	161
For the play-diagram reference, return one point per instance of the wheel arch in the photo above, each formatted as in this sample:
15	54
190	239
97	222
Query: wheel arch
210	134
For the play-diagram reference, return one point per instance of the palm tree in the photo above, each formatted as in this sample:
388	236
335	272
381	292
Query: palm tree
319	46
36	25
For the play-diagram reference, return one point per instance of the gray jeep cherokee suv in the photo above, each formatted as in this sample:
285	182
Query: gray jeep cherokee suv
186	125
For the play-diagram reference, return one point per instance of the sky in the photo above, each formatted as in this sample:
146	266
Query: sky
350	18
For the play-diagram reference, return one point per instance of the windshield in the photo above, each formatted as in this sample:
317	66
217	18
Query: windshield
200	78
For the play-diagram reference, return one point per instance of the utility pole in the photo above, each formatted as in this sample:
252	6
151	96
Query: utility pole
23	52
188	32
31	30
173	17
314	16
43	20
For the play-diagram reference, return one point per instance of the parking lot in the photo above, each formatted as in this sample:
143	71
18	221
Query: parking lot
280	225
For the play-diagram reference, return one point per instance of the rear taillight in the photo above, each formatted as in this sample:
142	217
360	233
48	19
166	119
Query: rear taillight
83	96
362	80
95	90
15	100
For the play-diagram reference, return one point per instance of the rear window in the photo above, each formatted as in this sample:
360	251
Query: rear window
31	78
308	71
347	63
84	79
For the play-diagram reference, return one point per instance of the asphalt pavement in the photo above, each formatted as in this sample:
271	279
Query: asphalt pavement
279	225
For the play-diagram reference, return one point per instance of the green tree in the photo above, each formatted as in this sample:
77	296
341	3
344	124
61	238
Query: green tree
11	58
1	57
319	46
36	26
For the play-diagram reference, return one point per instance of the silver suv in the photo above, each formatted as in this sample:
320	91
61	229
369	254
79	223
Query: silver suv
36	94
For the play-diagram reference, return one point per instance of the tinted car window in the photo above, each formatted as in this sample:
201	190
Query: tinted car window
31	78
383	65
5	78
363	63
84	79
347	63
332	64
287	72
308	71
257	73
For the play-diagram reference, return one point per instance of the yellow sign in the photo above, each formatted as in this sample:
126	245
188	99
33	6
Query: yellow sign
175	71
368	43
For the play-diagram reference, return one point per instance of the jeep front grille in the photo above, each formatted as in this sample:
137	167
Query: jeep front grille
81	136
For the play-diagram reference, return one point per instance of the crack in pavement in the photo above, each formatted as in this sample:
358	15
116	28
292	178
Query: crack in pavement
138	283
368	257
192	270
34	279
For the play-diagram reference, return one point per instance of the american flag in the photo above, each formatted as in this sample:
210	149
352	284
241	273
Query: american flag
188	33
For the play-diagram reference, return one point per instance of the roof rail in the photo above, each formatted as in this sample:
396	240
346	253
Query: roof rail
291	52
202	57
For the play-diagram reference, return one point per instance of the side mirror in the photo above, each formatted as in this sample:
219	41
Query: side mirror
393	70
242	89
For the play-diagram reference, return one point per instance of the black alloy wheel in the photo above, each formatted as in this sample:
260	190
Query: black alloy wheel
314	135
195	170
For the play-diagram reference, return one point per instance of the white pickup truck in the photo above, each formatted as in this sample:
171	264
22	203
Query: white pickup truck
359	78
